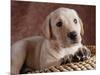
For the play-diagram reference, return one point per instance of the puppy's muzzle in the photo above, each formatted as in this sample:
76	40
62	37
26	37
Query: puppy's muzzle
72	35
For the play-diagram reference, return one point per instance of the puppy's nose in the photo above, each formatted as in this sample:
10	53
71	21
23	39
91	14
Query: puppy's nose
72	35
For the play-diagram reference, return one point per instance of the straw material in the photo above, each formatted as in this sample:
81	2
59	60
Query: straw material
86	65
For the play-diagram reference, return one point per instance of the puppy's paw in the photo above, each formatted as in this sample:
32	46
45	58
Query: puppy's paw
82	54
66	59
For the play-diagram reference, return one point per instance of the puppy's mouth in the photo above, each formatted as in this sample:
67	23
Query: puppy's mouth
69	43
75	42
72	41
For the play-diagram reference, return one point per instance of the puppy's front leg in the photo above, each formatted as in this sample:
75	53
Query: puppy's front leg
82	54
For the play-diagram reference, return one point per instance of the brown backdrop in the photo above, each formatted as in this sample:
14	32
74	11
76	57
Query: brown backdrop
27	19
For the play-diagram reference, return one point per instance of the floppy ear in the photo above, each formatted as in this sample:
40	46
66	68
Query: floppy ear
47	29
82	29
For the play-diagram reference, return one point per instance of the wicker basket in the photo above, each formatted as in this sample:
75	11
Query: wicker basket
89	64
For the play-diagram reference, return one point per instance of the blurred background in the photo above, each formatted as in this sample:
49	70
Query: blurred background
27	19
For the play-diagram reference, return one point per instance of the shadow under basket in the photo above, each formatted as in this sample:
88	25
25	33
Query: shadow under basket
89	64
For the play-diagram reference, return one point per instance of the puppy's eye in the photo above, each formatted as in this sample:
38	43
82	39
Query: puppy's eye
59	24
75	21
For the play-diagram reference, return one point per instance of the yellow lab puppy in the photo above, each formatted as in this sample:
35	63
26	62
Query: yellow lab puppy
62	31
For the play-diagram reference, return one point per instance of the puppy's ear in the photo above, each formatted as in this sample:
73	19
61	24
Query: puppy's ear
82	29
47	29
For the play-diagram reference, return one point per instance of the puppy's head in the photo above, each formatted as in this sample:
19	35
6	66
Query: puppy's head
64	26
